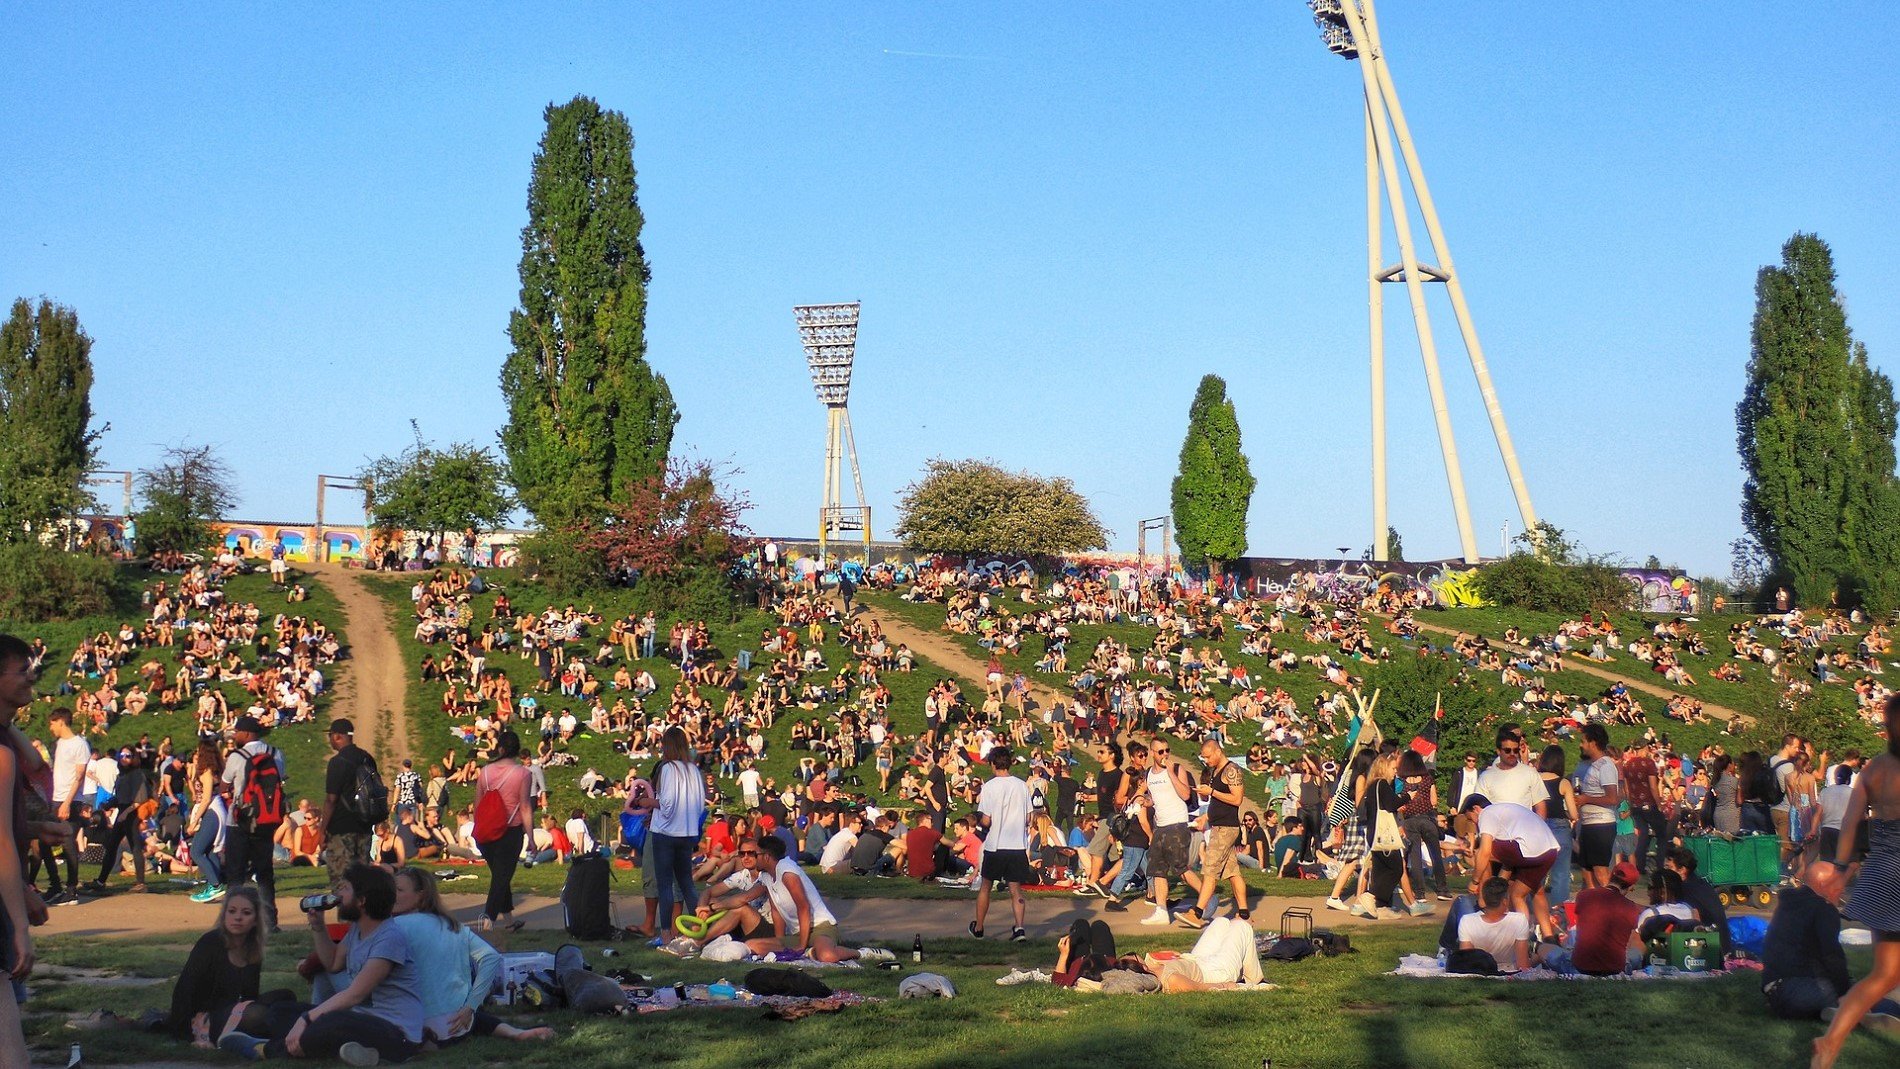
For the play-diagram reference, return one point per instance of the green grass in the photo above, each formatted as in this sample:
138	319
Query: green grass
305	749
1338	1012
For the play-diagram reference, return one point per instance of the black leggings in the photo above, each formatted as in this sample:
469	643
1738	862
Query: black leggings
322	1037
124	830
502	855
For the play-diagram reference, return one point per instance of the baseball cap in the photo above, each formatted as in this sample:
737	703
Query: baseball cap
248	723
340	726
1626	874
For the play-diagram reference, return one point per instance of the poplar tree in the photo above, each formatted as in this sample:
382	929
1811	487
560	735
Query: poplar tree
1215	485
47	444
587	417
1815	429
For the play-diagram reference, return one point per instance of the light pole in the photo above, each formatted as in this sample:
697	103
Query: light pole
1350	29
829	334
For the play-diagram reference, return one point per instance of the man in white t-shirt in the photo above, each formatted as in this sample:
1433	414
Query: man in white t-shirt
837	855
1499	930
750	783
1512	778
71	755
1518	845
1002	808
800	917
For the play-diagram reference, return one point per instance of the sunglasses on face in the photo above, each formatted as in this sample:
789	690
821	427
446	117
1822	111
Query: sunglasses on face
1508	749
748	853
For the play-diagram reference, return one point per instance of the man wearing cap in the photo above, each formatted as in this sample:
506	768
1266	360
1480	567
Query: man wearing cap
247	843
1606	924
346	833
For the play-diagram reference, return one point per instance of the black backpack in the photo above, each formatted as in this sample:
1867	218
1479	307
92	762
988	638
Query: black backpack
585	906
1291	948
370	800
1768	788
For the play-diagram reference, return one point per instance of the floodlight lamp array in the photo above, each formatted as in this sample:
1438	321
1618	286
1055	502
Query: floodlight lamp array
1330	16
829	333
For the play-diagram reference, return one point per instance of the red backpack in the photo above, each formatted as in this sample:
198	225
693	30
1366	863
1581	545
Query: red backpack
261	804
493	816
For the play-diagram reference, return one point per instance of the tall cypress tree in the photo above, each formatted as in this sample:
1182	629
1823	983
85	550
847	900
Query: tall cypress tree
47	443
1815	432
1215	485
586	413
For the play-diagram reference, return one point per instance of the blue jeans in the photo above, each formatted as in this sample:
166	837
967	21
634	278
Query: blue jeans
201	852
673	865
1133	858
1560	872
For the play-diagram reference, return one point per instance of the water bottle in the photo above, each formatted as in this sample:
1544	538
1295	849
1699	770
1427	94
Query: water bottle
917	949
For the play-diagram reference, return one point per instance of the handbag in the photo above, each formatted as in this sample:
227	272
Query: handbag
1385	832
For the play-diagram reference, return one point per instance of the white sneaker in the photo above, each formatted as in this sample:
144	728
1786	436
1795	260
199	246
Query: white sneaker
1334	903
1359	909
1016	976
1421	908
1158	918
875	954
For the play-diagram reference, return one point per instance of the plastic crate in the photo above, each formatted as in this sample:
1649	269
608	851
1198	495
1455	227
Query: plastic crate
1745	861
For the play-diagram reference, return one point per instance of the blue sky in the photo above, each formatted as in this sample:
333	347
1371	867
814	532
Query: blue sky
290	232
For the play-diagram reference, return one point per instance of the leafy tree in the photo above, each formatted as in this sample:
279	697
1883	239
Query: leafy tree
1410	688
677	537
39	582
1830	726
975	508
587	416
47	444
1871	528
436	490
1394	546
1815	430
1214	486
1549	572
188	488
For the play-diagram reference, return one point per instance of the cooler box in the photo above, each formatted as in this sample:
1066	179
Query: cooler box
1688	951
1749	860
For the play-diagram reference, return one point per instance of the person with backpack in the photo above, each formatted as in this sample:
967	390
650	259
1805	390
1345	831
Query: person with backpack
254	782
354	801
504	811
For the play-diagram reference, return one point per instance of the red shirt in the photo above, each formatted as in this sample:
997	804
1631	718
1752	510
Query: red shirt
719	836
1605	921
1638	772
920	852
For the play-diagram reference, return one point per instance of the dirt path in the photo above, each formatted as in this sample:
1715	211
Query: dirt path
944	651
371	694
868	920
1720	712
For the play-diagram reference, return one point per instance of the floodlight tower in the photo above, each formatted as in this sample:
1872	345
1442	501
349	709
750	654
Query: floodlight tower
829	333
1350	29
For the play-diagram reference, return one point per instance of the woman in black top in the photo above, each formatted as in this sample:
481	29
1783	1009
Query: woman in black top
223	970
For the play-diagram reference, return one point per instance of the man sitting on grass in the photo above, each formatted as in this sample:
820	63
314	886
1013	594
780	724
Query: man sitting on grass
800	919
1499	931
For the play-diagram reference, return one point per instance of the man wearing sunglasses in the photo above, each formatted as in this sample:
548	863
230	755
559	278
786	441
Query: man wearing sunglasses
743	896
1512	778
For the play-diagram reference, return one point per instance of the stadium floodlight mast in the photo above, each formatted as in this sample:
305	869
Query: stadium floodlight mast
829	333
1350	29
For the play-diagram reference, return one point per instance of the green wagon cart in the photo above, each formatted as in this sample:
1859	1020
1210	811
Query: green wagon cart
1745	869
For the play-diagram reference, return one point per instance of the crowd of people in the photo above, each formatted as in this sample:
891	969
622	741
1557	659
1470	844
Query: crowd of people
1158	775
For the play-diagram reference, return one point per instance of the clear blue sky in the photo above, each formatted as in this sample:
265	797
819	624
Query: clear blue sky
291	231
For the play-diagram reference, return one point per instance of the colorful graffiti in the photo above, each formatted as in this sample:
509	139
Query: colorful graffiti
1455	590
1658	591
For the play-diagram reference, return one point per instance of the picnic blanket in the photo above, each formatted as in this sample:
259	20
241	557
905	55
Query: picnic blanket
686	948
782	1007
1419	966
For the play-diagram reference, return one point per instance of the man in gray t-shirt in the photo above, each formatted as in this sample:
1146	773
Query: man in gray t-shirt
376	1008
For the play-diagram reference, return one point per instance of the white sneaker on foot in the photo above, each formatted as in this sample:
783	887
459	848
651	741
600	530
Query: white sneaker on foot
1334	903
1016	976
875	954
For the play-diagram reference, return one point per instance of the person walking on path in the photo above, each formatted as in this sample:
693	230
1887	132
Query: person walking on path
254	784
346	832
1002	809
504	811
1876	900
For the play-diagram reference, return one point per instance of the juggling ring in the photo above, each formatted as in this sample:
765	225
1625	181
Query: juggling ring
693	926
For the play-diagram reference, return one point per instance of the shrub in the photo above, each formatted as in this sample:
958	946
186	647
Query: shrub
561	561
42	583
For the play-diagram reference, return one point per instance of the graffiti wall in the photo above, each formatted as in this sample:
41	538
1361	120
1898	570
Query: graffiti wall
495	549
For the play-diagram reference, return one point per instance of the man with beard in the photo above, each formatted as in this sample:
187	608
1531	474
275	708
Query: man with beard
373	1011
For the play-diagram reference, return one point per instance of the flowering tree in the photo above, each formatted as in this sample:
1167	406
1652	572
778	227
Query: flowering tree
677	535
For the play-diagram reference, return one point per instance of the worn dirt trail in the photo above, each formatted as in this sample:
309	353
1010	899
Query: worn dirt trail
1573	664
946	653
371	694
